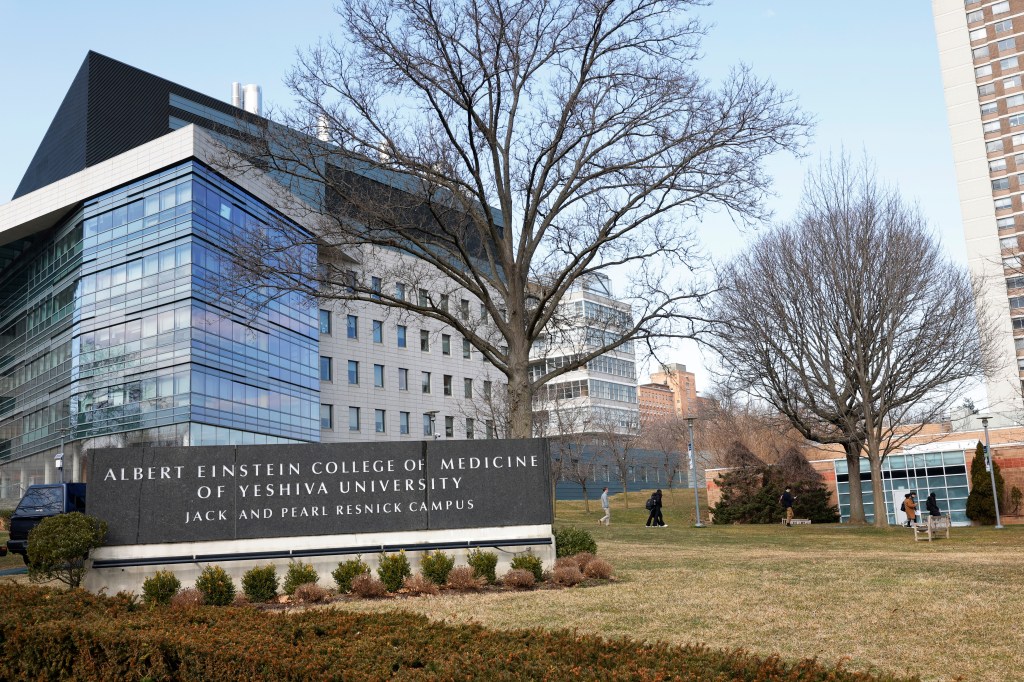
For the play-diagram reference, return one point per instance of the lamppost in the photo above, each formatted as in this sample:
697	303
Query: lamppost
59	457
991	471
693	473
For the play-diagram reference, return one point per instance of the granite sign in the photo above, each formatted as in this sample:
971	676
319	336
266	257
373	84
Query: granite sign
192	494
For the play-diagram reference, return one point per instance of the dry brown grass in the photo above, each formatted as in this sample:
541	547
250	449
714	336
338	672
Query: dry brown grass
875	599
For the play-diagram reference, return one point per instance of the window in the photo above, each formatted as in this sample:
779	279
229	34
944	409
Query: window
428	424
978	34
350	281
425	383
378	331
1017	140
325	321
325	368
400	287
375	287
1010	83
983	71
446	344
980	52
991	127
997	165
487	390
1008	243
1001	183
1018	323
353	419
424	341
989	108
489	428
994	146
1000	27
1015	120
470	435
353	372
447	383
378	376
378	421
403	422
424	298
466	350
326	416
1001	7
1014	101
1004	204
401	327
483	312
986	89
464	308
467	388
449	427
403	379
352	327
1007	45
443	305
1008	63
975	16
1006	222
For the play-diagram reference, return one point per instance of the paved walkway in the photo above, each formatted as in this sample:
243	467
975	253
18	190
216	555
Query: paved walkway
13	571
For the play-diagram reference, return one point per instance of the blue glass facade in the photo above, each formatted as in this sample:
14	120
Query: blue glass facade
113	328
944	473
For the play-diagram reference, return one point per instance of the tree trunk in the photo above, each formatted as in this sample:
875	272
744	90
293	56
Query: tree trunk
586	500
625	497
878	492
520	400
856	496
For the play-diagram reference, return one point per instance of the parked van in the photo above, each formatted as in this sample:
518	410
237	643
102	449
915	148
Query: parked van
39	502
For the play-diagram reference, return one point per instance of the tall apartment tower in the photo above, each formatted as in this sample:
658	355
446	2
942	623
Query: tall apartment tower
683	385
981	52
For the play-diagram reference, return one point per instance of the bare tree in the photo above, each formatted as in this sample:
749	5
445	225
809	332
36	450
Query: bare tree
727	417
619	446
507	150
668	435
850	319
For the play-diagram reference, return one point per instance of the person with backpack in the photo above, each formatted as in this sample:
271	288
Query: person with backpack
787	500
932	505
654	507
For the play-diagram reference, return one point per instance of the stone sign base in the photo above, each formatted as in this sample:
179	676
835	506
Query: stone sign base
125	567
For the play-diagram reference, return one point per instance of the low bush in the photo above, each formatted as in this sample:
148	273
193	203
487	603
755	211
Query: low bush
519	578
393	569
436	565
483	564
160	588
59	547
366	586
572	540
531	563
599	569
299	574
311	593
260	583
419	584
5	518
582	559
566	561
465	579
216	586
347	571
187	598
82	636
567	574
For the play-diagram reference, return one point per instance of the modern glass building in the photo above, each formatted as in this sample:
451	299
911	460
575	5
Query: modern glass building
944	473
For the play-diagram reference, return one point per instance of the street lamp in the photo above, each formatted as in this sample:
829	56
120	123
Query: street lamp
58	459
991	470
693	473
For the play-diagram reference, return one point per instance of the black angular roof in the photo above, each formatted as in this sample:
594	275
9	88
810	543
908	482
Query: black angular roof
110	108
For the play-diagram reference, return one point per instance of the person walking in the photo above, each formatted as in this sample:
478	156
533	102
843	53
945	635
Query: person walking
910	507
607	518
932	505
654	505
787	500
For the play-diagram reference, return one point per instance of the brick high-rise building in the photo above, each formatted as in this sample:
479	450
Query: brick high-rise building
980	51
683	385
656	401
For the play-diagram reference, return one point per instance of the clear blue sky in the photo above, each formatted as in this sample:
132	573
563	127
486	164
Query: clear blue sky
868	71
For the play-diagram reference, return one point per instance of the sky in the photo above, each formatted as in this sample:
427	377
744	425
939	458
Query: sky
867	71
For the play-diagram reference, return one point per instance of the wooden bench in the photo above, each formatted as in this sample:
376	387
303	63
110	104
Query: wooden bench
796	522
931	529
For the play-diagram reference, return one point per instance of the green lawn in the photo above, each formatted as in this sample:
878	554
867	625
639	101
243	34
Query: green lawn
872	598
11	560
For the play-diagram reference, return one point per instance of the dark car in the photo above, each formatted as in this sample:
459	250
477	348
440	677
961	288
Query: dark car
39	502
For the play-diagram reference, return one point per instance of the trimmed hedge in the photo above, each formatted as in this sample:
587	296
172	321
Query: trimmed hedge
51	635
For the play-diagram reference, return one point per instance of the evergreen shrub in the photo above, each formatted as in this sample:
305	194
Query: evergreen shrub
160	588
216	586
483	564
572	540
531	563
260	583
347	571
299	573
436	566
393	569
